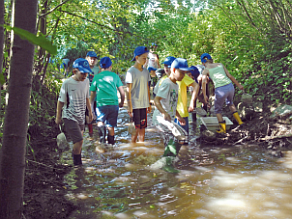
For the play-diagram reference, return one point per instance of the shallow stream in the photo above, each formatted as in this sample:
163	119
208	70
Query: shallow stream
214	182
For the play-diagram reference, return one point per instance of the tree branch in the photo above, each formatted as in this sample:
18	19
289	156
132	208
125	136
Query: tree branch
101	25
52	10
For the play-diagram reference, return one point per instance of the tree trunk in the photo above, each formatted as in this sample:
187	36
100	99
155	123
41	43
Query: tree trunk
1	40
12	157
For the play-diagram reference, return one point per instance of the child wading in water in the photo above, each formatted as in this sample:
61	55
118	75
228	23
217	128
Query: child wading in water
224	90
73	100
138	92
104	87
165	112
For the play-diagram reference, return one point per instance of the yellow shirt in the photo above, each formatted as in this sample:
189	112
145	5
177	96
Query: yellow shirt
182	102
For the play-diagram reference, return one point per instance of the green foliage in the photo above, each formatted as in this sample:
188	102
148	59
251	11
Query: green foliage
36	40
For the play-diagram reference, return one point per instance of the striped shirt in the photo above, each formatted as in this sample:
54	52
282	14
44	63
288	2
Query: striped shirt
74	93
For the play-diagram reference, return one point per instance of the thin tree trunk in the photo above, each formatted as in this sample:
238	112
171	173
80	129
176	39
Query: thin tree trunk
12	156
1	40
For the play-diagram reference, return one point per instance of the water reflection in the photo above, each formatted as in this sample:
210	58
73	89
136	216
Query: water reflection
214	182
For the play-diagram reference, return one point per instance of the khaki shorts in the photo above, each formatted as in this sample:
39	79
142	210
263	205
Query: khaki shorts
73	130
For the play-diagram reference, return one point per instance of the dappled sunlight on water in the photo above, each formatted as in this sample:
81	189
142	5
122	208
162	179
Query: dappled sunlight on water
214	182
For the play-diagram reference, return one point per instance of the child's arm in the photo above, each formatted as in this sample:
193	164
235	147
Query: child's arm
158	105
88	105
122	93
149	108
59	112
129	99
92	99
233	79
204	83
179	118
194	95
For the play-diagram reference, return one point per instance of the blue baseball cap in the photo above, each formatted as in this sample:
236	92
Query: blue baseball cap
168	60
82	65
91	54
205	55
181	64
140	50
195	72
105	62
152	69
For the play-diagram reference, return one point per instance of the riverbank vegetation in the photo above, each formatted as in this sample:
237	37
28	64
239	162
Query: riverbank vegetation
252	39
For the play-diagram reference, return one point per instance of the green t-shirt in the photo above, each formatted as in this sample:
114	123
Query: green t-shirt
105	85
219	76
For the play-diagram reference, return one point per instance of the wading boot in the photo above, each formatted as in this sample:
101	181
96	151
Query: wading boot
169	165
170	152
111	139
222	127
236	116
102	133
172	149
77	159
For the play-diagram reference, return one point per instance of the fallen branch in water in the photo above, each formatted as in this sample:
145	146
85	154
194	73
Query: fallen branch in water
44	165
240	140
275	137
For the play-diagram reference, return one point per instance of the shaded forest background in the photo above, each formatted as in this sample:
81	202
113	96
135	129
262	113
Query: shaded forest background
252	38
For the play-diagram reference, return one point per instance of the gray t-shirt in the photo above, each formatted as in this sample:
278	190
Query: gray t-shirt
168	91
139	81
77	92
95	70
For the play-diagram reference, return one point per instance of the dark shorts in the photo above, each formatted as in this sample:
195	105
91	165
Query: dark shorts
73	130
186	126
108	115
140	118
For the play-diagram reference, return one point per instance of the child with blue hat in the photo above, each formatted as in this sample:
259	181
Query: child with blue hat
91	57
138	91
104	89
182	106
73	100
167	63
165	112
224	89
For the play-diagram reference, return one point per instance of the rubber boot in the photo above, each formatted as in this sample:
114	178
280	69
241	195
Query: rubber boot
222	127
169	166
102	133
90	129
236	116
77	159
172	149
111	139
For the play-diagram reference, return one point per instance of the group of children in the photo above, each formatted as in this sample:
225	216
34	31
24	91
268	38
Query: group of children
171	112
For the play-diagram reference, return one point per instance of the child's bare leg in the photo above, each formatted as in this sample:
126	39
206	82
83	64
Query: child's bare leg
111	130
77	147
232	108
219	117
141	134
134	137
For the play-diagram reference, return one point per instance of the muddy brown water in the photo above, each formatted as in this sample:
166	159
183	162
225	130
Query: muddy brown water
214	182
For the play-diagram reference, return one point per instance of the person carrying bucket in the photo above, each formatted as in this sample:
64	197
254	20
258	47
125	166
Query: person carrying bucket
224	90
166	109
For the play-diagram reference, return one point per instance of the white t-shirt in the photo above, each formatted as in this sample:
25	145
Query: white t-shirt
151	62
139	92
77	92
168	91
